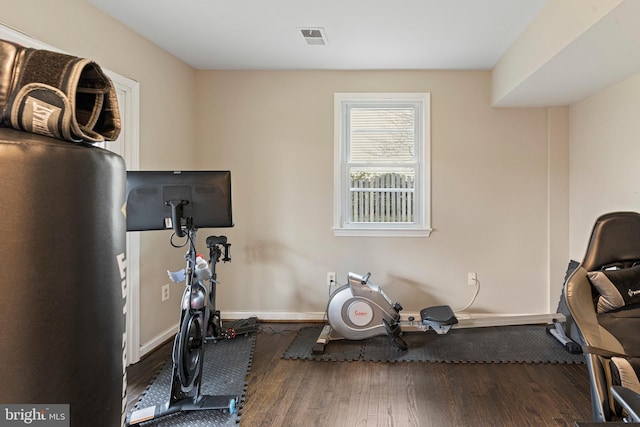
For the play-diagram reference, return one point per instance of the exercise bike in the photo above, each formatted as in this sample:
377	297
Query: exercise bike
361	310
199	321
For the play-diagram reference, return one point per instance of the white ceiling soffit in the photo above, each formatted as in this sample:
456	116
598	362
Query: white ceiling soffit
362	34
606	53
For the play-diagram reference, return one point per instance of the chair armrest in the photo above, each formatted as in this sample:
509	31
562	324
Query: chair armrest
629	400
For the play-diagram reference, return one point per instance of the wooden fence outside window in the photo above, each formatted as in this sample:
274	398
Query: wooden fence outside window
382	198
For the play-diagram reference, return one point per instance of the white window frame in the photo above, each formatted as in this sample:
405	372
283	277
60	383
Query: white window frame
342	226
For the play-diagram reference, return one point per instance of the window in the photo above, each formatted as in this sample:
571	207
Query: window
381	183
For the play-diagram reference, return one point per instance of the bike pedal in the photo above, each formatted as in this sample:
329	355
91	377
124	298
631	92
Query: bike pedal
229	334
394	332
402	344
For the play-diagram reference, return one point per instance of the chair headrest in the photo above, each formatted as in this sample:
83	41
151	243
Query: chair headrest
615	239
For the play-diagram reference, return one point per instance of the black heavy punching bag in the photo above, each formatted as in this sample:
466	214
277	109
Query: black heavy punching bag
62	277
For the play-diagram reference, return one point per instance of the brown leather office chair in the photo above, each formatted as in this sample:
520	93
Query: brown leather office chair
603	296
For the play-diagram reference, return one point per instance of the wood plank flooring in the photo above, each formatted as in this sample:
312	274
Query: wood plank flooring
365	394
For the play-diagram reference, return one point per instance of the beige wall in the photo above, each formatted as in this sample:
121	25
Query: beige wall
558	200
167	119
493	187
605	153
490	188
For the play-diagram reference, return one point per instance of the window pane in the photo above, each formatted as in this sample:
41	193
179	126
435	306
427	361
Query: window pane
382	134
382	195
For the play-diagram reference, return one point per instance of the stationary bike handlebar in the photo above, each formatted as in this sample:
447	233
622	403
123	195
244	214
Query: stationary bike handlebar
358	279
357	283
213	243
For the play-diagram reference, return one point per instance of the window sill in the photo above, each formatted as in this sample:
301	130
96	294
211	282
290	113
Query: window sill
381	232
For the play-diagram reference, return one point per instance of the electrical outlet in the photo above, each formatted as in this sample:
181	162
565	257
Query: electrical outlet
165	292
472	279
331	278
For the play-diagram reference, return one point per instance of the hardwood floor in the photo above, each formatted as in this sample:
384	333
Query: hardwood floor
309	393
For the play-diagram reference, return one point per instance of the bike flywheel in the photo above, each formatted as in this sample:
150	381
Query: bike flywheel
189	350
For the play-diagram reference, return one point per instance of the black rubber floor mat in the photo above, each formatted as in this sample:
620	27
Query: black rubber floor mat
226	365
301	346
499	344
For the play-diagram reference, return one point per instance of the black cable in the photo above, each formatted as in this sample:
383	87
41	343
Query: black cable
178	246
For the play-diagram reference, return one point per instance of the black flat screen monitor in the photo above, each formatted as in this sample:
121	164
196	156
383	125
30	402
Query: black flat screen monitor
204	197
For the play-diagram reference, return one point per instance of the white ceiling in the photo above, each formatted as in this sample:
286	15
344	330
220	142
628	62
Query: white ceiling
362	34
389	35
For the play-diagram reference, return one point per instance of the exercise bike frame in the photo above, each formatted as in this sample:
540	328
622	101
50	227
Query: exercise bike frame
188	349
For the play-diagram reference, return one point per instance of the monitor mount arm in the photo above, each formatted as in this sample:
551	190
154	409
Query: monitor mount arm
176	215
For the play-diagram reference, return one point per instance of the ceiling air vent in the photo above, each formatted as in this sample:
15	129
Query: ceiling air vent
314	36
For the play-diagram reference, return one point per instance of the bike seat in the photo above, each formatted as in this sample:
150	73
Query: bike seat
441	314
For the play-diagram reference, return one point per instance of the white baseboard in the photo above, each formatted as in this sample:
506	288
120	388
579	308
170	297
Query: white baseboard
465	320
158	340
275	316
